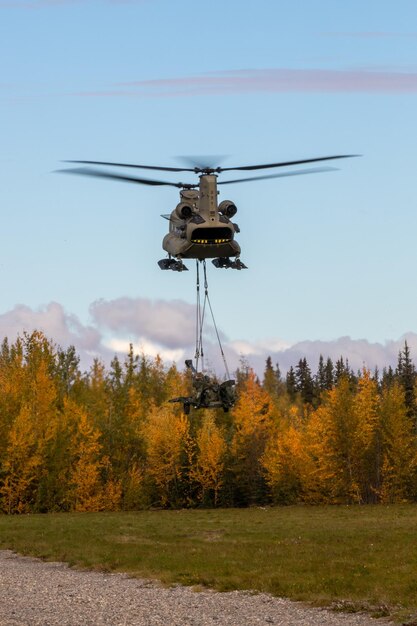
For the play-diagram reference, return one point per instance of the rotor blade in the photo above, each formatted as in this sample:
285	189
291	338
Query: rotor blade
142	167
87	171
286	163
313	170
202	162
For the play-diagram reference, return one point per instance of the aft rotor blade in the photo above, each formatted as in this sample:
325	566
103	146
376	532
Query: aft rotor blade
86	171
202	162
286	163
142	167
313	170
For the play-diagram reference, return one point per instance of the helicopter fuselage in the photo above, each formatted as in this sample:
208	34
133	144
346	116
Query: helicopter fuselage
200	228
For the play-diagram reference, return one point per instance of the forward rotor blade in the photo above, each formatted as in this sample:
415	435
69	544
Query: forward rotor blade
86	171
202	162
286	163
313	170
142	167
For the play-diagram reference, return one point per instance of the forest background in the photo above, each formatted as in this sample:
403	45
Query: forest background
108	439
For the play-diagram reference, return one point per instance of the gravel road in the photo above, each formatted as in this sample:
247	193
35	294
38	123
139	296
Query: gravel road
34	593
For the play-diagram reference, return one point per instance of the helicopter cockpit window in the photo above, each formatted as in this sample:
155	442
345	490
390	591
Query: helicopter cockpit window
212	235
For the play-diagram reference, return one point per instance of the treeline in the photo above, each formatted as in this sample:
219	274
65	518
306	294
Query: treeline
109	439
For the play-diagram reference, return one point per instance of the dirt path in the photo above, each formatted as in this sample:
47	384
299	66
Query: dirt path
34	593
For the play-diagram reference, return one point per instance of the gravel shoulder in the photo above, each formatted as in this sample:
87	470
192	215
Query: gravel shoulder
34	592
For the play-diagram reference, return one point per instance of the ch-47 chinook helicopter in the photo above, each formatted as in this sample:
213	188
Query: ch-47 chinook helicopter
199	227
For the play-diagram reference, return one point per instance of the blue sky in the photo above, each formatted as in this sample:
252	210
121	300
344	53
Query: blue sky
330	255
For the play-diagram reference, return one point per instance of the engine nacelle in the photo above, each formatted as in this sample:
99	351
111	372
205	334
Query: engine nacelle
184	210
227	208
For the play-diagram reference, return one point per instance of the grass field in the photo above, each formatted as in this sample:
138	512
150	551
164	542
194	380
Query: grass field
349	557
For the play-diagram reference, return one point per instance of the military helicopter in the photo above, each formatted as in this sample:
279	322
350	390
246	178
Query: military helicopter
199	227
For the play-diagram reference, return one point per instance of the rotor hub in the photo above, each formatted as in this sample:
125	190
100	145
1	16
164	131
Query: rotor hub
207	170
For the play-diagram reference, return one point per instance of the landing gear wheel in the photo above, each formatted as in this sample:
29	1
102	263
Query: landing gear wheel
172	264
227	263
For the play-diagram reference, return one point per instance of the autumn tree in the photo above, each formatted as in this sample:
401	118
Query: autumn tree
252	424
399	451
367	439
285	460
30	442
330	436
166	436
88	487
208	466
21	466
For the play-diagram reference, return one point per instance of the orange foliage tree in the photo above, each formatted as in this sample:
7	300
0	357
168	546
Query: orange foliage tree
286	460
209	461
108	438
166	435
252	427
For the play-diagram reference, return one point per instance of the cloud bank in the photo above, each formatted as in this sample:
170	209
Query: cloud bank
167	328
273	80
64	328
359	352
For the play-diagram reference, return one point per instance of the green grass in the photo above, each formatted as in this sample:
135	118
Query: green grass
346	557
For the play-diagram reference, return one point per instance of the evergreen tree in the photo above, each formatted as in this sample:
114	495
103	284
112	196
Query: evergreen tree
291	384
304	381
341	369
406	374
320	377
329	374
323	380
388	377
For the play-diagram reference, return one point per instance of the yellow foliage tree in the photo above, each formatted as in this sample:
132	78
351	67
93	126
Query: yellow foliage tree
367	439
209	461
12	385
399	456
21	466
286	460
31	440
86	489
252	426
331	444
166	435
134	487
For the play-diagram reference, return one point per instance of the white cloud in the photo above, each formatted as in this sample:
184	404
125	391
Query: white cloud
259	348
143	346
53	320
63	328
166	323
